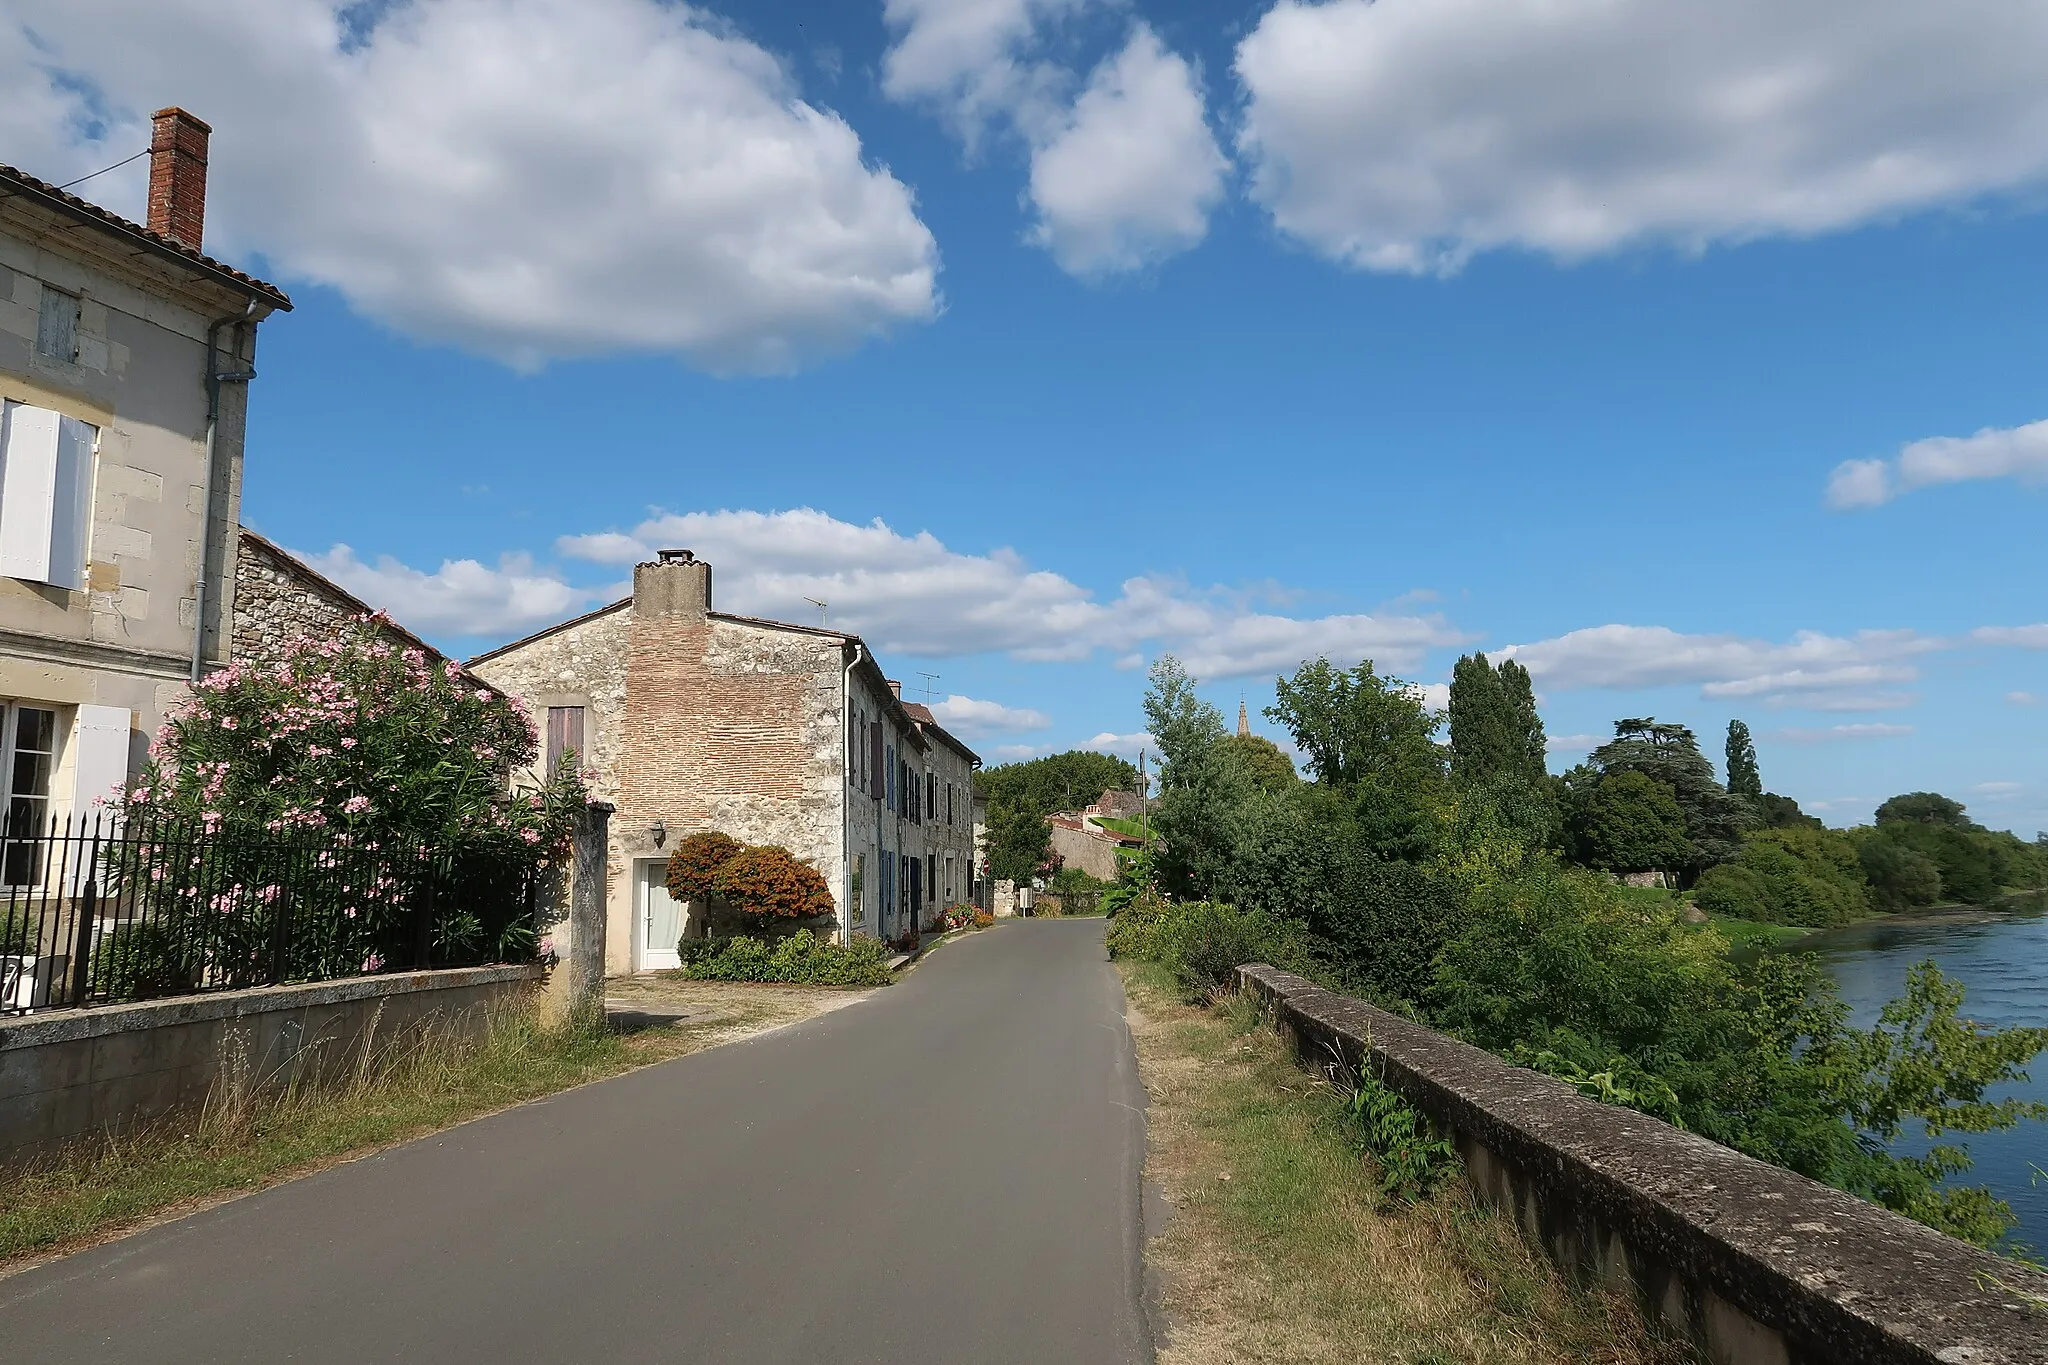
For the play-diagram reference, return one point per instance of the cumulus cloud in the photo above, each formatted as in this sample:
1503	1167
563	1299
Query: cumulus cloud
1572	744
2021	698
1993	453
1436	696
2024	637
1409	134
1131	173
1124	168
914	594
461	598
1122	746
1833	733
970	718
529	179
1812	667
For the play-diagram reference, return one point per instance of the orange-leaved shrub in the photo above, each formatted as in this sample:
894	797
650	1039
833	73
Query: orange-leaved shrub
696	861
766	880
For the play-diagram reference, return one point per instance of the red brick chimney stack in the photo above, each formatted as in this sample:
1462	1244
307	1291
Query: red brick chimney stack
177	176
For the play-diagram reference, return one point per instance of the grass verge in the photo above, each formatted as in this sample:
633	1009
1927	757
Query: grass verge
1281	1246
409	1086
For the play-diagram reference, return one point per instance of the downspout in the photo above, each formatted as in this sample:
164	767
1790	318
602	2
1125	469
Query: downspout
214	378
846	802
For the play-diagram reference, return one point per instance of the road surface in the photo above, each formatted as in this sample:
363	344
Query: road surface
947	1171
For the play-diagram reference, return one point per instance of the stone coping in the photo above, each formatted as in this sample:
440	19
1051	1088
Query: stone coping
1842	1279
63	1026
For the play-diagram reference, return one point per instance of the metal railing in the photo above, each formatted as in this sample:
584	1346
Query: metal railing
95	910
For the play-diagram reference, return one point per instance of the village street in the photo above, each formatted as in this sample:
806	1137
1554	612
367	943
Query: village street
946	1171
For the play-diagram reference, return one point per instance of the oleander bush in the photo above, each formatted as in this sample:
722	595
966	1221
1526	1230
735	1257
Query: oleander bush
769	881
695	863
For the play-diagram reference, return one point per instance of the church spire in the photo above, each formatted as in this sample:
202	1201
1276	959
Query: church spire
1244	720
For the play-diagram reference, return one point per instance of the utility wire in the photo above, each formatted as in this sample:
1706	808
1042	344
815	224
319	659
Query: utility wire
103	170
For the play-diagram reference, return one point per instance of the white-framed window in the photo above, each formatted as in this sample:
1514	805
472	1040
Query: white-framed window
46	473
28	761
57	326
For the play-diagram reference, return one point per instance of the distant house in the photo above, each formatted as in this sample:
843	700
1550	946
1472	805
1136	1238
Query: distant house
1080	843
125	358
695	719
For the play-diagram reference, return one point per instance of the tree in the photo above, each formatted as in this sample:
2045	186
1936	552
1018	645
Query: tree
1065	781
1270	768
1925	808
1782	812
1900	876
1355	726
1743	777
1801	875
1630	822
1495	731
1204	783
1019	841
1714	820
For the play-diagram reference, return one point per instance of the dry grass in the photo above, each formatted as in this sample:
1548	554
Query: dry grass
1281	1247
400	1088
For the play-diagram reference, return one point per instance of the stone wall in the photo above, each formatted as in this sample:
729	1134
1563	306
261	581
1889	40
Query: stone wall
279	598
73	1073
1758	1265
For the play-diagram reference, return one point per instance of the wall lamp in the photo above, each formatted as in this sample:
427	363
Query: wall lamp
660	833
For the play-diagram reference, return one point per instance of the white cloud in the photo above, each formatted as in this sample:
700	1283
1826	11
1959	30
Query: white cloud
1131	174
1436	696
1833	733
1124	169
1998	788
970	718
1811	666
1409	134
1843	701
1572	744
2022	698
461	598
2024	637
1016	753
1122	746
1993	453
529	179
913	594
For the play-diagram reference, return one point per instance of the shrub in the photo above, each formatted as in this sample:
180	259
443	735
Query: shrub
982	919
802	959
1134	933
1203	943
767	880
143	960
1414	1158
1798	875
695	863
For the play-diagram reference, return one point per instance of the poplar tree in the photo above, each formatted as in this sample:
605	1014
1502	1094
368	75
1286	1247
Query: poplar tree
1495	731
1531	750
1743	778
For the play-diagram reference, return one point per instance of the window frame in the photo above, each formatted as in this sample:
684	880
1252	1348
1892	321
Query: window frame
10	747
71	309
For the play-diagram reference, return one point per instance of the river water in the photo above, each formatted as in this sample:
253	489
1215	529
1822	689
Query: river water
2001	958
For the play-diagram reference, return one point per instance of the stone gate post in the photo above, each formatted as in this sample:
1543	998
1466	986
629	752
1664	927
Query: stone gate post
584	967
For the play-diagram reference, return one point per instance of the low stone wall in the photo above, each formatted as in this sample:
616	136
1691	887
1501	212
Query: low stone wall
1758	1265
70	1073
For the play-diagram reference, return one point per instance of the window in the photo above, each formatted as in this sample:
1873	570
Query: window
565	736
949	804
57	326
949	878
46	464
931	792
931	874
28	759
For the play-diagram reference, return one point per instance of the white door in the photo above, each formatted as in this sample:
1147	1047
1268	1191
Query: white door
660	916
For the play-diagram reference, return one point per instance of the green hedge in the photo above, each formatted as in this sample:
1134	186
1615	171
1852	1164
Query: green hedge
1202	942
802	959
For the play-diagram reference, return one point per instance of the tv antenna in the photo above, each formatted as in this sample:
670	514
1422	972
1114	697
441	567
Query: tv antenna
929	678
821	610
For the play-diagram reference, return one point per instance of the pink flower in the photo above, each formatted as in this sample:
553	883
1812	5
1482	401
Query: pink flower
532	836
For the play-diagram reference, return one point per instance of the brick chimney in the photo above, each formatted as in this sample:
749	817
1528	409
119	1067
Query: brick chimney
895	688
177	176
676	584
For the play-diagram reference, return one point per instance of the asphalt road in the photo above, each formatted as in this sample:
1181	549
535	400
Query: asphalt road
948	1171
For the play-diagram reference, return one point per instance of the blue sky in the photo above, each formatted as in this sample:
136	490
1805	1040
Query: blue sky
1692	354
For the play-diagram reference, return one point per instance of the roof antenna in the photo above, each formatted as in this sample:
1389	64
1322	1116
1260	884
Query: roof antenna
930	678
821	610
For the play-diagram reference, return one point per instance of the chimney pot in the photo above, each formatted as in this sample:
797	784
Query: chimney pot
895	689
177	176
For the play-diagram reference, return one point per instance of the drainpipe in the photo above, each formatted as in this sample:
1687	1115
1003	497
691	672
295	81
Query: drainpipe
215	376
846	806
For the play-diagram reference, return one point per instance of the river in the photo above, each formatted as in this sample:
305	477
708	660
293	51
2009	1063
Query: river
2001	958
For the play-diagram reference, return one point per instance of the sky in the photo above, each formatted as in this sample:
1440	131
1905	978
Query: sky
1692	355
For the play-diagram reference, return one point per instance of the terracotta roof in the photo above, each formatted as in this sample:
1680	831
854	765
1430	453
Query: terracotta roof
15	183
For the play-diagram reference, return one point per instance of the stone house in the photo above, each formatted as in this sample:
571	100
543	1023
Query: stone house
278	597
690	719
125	358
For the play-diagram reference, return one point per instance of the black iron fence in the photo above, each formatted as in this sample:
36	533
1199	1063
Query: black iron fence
96	910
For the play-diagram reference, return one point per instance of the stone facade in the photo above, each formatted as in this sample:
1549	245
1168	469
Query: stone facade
104	336
771	733
279	597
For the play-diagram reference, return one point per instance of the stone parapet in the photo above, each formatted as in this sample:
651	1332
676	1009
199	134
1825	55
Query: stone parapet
1758	1265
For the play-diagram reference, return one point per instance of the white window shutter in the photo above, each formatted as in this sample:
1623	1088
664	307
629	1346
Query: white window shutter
71	509
28	489
101	763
